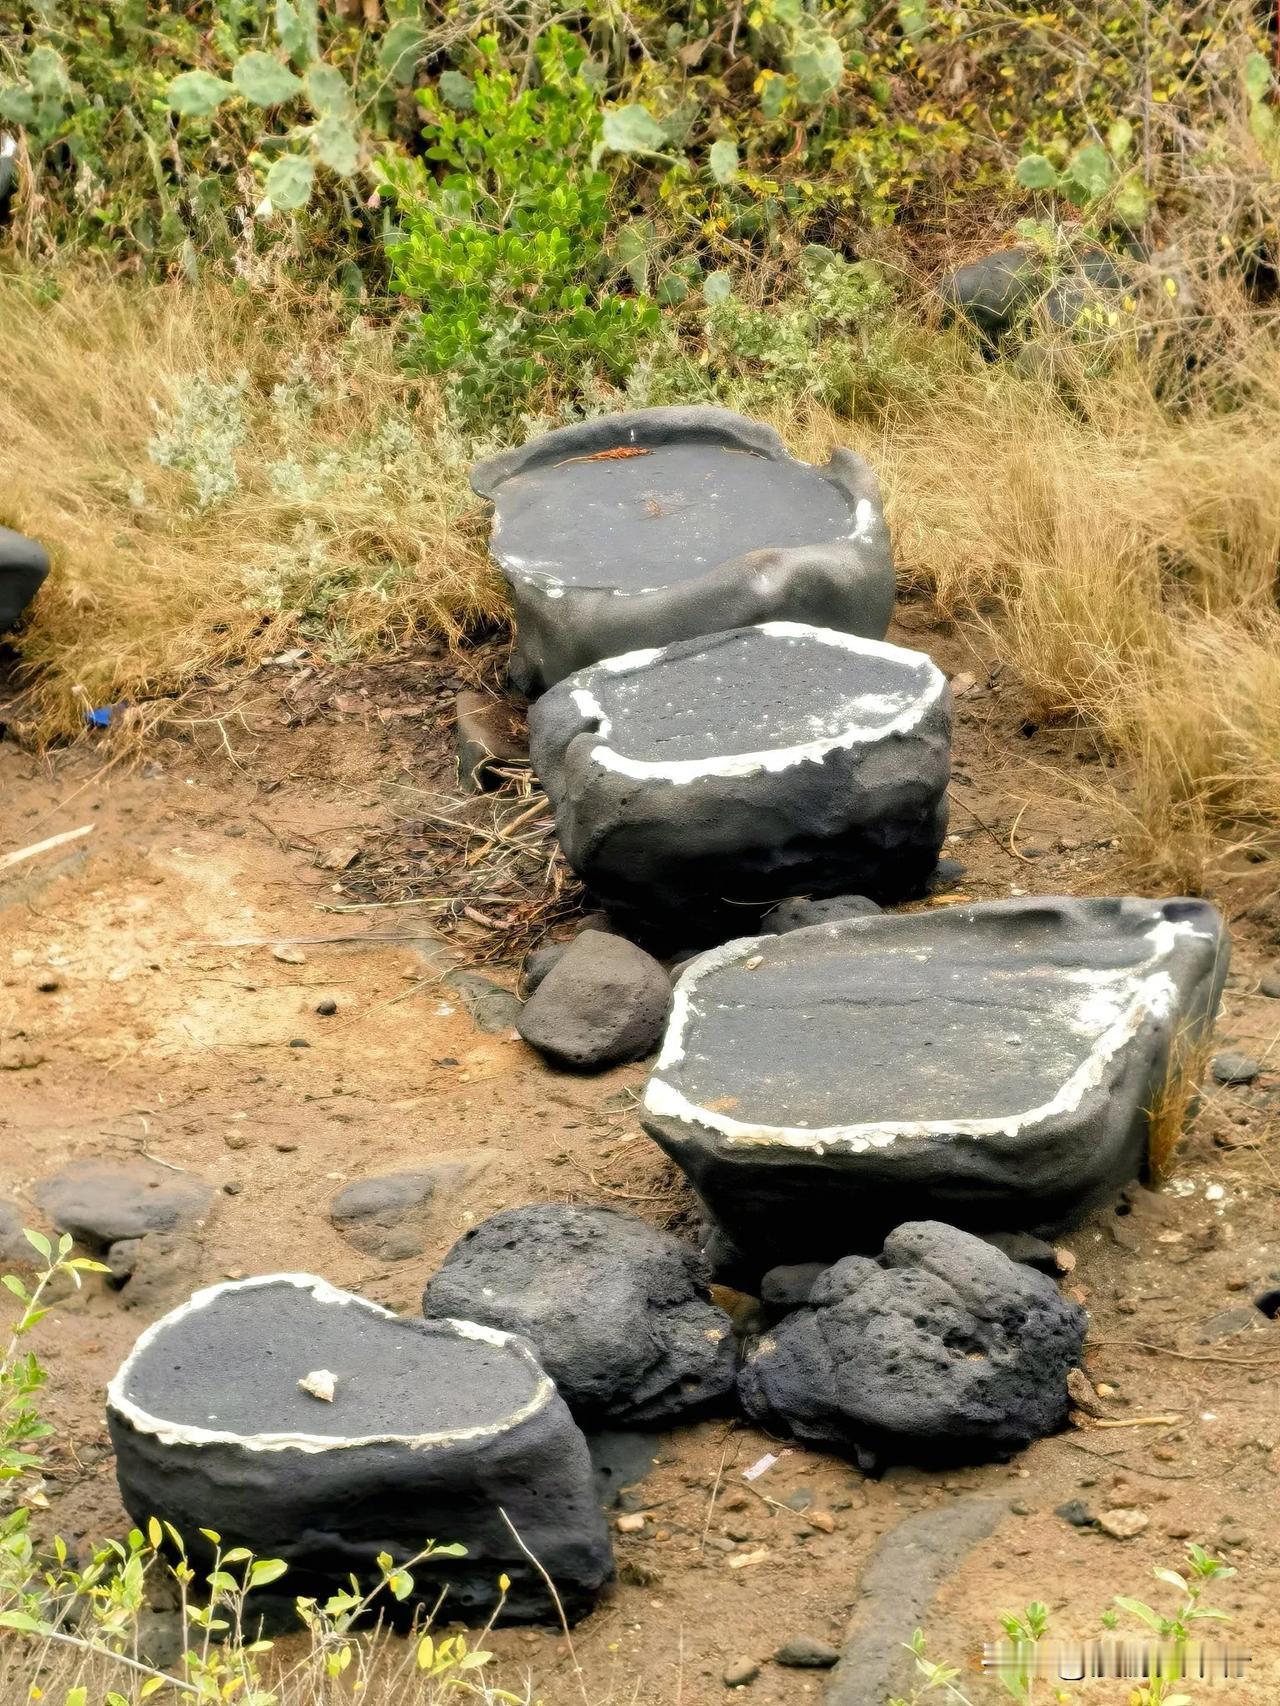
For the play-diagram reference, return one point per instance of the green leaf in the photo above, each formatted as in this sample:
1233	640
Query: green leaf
1036	173
38	1242
717	287
329	92
195	94
265	80
1090	172
48	73
913	19
337	145
1257	77
1120	138
723	160
672	291
402	48
634	244
1171	1577
22	1620
773	97
633	130
76	1697
264	1570
457	91
289	182
1136	1608
17	105
297	27
817	64
1131	203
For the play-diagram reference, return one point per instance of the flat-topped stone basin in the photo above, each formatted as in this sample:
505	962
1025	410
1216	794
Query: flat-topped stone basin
991	1066
692	780
661	524
312	1425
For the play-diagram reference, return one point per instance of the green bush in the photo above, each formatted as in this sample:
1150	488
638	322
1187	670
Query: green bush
505	248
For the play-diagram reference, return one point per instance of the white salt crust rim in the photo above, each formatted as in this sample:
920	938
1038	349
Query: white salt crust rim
929	686
179	1433
1153	998
866	524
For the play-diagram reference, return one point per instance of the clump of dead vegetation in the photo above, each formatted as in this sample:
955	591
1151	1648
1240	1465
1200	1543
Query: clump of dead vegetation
218	478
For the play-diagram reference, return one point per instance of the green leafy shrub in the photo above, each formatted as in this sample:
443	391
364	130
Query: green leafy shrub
506	249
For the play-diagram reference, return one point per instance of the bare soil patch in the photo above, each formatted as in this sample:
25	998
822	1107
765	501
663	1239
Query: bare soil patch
164	1029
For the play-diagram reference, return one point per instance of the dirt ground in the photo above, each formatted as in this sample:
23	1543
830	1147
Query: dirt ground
174	1032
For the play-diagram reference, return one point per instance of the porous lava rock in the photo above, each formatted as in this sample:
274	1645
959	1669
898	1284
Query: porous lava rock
799	912
656	525
991	1065
940	1351
23	567
434	1430
602	1002
100	1202
733	770
617	1311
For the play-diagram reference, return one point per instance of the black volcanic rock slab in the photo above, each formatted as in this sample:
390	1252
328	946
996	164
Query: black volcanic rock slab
743	767
433	1428
23	566
990	1065
661	524
940	1351
617	1311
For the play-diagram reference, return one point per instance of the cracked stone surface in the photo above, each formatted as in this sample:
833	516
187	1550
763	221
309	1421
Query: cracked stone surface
656	525
991	1065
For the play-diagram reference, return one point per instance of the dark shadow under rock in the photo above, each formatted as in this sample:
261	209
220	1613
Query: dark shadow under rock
100	1202
801	911
616	1310
656	525
991	1065
941	1351
433	1429
696	785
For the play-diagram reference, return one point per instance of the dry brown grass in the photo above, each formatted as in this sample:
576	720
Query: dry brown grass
1125	550
149	591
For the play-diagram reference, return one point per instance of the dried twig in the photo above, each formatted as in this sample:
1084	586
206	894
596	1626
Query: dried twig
8	860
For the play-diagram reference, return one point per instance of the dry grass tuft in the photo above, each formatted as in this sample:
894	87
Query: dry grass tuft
1124	547
1175	1102
215	479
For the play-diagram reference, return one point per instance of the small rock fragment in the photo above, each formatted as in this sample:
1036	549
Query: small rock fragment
1233	1068
288	954
1077	1513
806	1652
604	1002
327	1007
1123	1523
320	1384
1269	983
1081	1392
633	1522
741	1673
799	913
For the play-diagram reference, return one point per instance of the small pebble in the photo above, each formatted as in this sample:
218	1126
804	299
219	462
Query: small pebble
1232	1068
631	1523
741	1673
48	981
1123	1523
299	1042
1269	983
806	1652
327	1006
